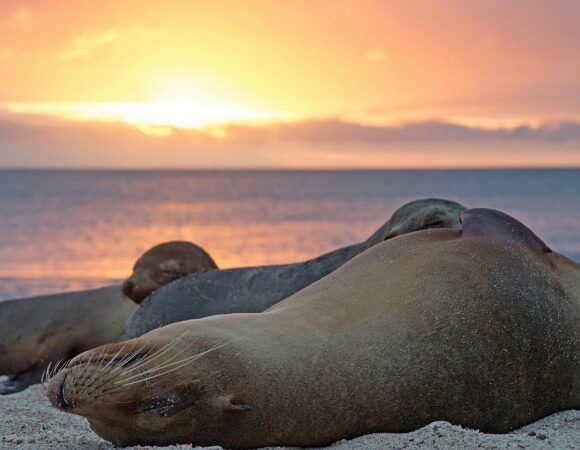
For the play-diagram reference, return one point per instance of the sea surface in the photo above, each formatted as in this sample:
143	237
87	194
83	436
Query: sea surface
68	230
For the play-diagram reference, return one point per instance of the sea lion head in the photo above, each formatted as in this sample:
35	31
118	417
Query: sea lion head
419	215
144	390
163	264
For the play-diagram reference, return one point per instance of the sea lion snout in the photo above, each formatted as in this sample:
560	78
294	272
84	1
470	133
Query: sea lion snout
140	285
59	394
132	392
128	286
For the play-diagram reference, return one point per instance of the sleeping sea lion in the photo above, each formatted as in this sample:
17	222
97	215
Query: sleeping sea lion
478	326
38	330
253	289
163	264
35	331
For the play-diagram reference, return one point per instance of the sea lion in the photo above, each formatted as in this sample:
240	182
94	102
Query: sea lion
163	264
253	289
37	330
479	327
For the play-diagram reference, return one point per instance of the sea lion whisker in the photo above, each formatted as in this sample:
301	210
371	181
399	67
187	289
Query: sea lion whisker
131	358
119	364
157	353
45	378
111	376
146	376
90	386
164	363
84	372
90	375
116	390
101	355
185	361
114	366
159	367
50	372
110	373
57	367
45	372
114	357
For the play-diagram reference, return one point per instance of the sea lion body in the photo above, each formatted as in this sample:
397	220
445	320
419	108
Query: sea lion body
479	327
254	289
163	264
37	330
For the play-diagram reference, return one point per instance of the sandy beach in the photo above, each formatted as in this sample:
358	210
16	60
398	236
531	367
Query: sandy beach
348	224
27	421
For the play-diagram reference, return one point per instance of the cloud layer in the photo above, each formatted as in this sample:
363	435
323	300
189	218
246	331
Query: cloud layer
332	143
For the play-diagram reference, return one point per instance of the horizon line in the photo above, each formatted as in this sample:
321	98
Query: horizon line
277	169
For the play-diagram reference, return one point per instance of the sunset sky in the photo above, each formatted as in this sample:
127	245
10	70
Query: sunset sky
187	84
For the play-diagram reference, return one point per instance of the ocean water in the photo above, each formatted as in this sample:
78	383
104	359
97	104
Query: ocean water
67	230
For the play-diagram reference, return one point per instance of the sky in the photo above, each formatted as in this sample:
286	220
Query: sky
295	84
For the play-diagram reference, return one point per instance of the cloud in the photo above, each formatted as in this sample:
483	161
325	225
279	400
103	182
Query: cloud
338	132
85	45
39	141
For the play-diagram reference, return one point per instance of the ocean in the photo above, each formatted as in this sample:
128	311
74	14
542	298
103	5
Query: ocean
68	230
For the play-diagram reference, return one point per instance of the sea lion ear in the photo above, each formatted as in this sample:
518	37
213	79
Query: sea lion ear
228	405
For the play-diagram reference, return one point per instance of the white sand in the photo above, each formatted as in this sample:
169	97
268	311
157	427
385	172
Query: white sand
27	421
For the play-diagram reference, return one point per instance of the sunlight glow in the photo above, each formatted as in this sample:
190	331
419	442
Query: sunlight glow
152	118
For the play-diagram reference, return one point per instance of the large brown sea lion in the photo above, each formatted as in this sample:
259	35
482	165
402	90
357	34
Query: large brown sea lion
254	289
163	264
479	327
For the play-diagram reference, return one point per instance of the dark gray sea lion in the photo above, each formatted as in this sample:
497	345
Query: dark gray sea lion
479	327
37	330
164	263
253	289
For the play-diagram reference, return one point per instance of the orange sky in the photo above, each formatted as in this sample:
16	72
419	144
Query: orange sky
162	67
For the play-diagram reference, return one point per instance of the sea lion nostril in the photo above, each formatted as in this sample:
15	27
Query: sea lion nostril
62	402
128	287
